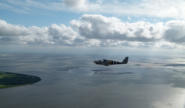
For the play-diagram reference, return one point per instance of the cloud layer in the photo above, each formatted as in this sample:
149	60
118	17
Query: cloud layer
97	30
148	8
100	27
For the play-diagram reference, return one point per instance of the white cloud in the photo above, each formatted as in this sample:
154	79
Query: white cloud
75	3
55	34
99	31
175	31
148	8
11	30
100	27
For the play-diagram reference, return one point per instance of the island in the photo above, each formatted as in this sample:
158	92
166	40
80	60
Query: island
8	79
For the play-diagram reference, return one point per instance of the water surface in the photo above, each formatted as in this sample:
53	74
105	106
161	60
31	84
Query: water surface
74	81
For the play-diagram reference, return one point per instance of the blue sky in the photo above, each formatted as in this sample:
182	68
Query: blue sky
93	23
36	16
29	13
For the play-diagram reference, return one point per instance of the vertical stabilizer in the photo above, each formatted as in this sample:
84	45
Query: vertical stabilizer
125	61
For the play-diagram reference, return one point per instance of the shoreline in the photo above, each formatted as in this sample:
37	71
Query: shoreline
8	79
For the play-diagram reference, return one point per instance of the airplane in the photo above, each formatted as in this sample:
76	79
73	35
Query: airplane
110	62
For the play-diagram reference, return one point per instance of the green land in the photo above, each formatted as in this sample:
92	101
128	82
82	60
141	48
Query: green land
8	79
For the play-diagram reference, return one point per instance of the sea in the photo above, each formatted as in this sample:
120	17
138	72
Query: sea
74	81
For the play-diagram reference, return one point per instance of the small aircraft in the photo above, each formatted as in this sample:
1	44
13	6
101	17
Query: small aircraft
110	62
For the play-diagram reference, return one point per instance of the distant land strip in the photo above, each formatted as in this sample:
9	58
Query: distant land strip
8	79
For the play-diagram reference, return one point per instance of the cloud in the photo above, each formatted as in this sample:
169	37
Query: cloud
146	8
5	6
11	30
175	31
54	34
101	27
149	8
97	31
74	3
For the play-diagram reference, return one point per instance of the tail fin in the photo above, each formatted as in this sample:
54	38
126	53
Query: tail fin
125	61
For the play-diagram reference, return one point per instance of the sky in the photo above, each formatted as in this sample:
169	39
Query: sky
149	24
